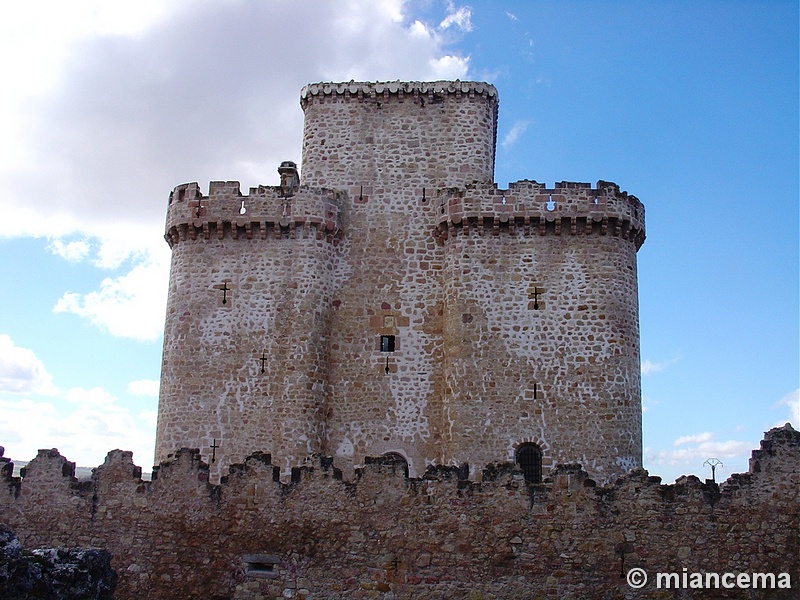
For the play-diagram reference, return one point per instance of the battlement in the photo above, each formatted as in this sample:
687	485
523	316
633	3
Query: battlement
265	210
777	464
568	207
433	536
319	91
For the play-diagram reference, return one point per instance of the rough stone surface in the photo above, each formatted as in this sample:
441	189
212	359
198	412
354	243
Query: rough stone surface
53	573
514	311
390	537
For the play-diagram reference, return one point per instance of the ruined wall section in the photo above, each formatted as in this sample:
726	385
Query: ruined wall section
438	536
541	324
251	278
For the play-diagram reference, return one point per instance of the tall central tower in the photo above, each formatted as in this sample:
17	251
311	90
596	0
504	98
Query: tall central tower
395	302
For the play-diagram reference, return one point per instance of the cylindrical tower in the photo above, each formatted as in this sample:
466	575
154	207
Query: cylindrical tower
246	337
541	329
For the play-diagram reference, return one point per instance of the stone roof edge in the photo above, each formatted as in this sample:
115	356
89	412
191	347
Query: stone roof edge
397	87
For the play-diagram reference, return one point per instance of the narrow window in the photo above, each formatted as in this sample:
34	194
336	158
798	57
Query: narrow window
529	459
387	343
261	566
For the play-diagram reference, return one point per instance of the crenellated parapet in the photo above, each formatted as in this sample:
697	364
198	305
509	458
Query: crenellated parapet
567	208
321	91
265	211
431	536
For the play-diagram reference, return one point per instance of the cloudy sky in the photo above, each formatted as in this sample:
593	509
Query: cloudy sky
106	106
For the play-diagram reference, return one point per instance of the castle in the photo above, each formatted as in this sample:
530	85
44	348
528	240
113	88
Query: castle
394	304
353	361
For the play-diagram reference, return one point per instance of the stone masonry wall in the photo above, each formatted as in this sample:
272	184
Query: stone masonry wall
399	135
390	146
385	536
514	312
273	260
542	325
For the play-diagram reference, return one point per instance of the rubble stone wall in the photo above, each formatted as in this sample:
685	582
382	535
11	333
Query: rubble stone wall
438	536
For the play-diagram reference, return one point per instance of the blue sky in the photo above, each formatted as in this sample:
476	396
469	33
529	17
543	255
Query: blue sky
691	106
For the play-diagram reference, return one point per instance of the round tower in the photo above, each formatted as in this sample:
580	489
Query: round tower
541	327
246	336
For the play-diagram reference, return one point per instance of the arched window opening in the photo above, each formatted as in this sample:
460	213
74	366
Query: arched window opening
394	460
529	459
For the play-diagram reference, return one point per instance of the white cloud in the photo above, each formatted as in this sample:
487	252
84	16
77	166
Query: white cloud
649	367
21	372
648	403
150	418
419	30
75	251
84	432
35	38
460	17
449	67
792	402
113	251
132	305
108	106
706	450
517	129
689	452
698	438
93	397
84	424
110	252
144	387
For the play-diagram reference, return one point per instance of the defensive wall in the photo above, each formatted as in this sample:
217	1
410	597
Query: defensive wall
568	208
527	204
437	536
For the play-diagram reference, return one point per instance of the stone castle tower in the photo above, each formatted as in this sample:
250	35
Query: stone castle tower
393	302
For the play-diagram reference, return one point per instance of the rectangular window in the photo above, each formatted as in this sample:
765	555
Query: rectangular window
387	343
261	565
